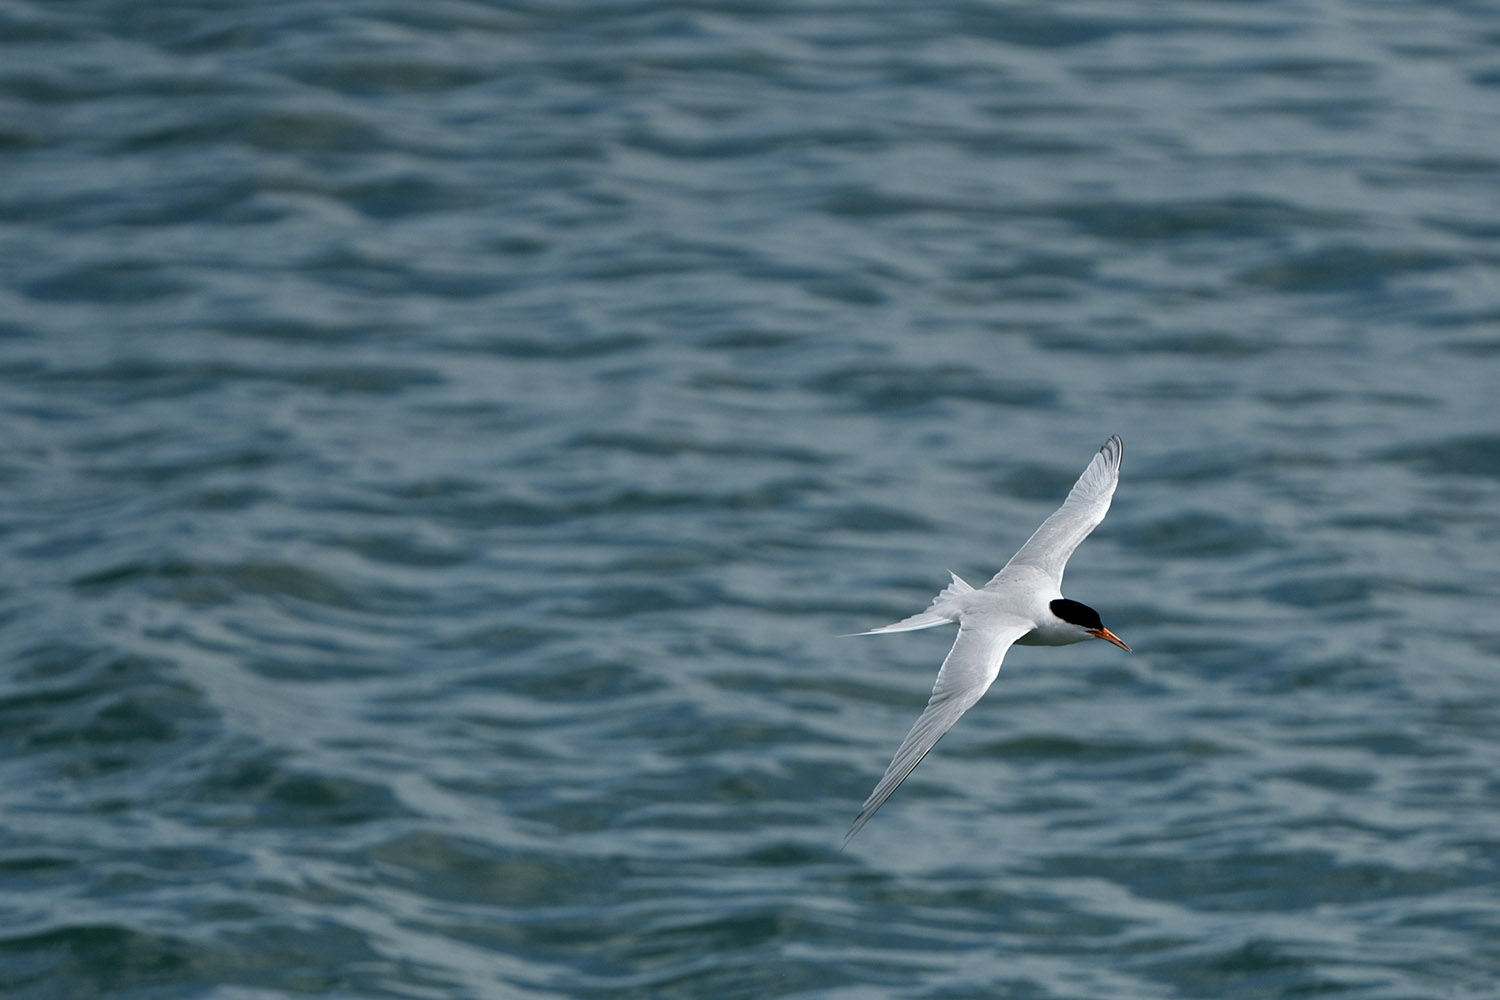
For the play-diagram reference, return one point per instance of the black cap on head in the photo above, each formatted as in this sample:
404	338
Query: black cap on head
1075	613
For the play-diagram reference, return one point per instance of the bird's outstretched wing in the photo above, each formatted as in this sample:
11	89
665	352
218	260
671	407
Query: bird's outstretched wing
970	668
1049	546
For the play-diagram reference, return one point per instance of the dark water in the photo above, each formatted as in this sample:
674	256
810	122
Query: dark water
444	442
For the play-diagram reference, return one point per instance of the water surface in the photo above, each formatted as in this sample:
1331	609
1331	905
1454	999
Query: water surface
444	445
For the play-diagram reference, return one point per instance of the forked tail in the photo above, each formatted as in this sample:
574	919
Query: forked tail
941	611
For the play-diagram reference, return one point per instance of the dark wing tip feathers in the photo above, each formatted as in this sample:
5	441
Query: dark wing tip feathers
1113	450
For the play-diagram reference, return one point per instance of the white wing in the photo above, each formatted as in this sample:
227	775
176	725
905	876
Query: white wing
970	669
1050	545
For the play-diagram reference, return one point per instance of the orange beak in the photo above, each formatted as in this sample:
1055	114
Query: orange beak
1108	636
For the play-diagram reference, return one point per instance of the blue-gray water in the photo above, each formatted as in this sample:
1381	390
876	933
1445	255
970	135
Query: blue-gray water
443	444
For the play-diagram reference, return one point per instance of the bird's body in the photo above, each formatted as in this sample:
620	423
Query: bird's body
1022	604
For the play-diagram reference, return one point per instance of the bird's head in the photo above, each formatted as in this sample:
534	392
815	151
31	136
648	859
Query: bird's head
1086	619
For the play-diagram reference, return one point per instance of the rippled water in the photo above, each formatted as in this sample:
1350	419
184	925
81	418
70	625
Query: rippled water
444	444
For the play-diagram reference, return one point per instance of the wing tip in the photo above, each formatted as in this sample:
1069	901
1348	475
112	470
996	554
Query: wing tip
872	806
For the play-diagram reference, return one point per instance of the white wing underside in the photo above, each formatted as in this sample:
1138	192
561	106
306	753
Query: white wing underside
1049	546
969	670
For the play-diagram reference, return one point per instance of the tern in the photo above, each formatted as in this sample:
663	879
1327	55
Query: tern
1023	603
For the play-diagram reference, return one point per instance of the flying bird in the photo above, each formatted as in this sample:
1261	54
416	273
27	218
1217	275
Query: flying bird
1023	603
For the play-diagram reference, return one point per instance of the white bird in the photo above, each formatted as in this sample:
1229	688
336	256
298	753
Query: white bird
1023	603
